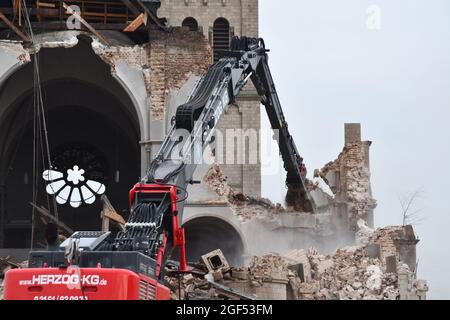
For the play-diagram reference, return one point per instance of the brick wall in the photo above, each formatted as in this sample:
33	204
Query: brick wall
173	58
353	183
243	18
167	62
170	58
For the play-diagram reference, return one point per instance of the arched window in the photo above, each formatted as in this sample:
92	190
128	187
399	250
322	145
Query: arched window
190	23
221	36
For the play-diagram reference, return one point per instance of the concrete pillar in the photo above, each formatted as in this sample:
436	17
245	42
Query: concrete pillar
403	281
352	133
407	247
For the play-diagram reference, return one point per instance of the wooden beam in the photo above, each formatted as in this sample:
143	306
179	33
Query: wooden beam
136	23
105	223
21	35
85	23
45	5
56	25
151	15
48	215
109	213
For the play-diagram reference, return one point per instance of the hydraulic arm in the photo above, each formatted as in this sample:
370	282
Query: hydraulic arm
132	264
157	202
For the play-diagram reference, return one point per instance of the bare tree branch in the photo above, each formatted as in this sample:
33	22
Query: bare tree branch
407	203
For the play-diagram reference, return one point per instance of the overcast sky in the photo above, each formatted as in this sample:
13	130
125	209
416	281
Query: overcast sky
331	68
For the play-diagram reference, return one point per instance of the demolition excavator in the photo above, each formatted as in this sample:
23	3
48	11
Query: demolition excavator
132	264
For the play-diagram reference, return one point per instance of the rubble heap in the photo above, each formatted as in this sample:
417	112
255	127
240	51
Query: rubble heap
267	268
352	273
373	270
217	181
245	207
349	274
7	264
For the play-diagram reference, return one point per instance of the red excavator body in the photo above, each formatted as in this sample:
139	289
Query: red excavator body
81	284
103	274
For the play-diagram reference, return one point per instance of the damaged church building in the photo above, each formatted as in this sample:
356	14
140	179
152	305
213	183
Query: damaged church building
111	87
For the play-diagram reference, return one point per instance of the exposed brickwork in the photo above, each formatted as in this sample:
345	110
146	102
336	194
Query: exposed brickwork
243	18
173	58
167	62
170	58
135	56
353	185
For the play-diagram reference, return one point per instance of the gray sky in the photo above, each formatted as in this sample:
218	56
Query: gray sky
330	68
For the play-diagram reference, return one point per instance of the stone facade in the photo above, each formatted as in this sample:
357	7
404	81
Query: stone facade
241	14
151	81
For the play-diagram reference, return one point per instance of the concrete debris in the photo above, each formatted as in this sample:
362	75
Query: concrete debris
267	268
217	181
374	281
350	273
263	279
7	264
298	260
245	207
318	183
410	287
364	233
215	261
248	208
347	275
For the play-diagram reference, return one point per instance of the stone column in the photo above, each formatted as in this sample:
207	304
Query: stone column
352	133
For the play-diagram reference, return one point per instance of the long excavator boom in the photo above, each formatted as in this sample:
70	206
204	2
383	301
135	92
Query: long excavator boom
137	257
195	122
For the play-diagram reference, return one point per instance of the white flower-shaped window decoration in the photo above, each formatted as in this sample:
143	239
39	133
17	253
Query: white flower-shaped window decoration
74	188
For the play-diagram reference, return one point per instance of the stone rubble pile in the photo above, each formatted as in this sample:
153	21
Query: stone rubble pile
267	268
7	264
349	274
237	282
245	207
217	181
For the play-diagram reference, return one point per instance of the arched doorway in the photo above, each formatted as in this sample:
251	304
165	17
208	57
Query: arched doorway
190	23
206	234
221	36
91	123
